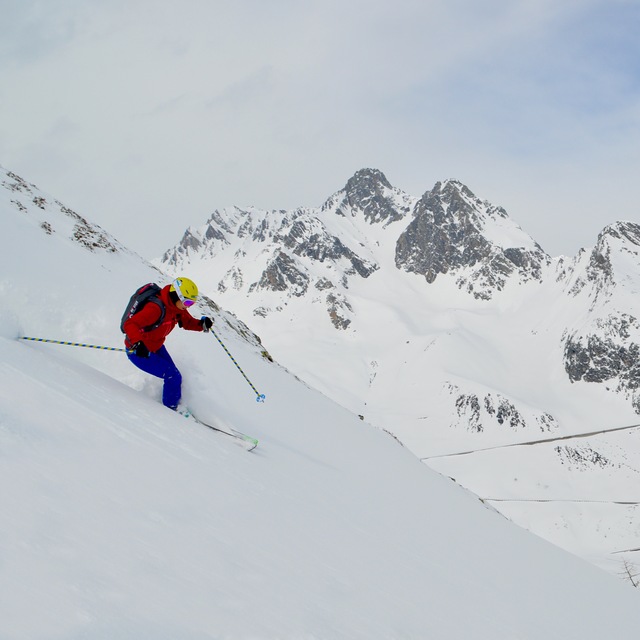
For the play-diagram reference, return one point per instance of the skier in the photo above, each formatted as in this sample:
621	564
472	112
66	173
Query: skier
146	326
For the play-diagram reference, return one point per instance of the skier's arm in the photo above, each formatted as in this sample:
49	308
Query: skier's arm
187	321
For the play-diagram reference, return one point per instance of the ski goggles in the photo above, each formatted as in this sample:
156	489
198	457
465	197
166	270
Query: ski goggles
187	302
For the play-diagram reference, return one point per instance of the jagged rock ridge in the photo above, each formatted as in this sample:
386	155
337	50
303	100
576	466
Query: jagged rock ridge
452	232
299	252
447	231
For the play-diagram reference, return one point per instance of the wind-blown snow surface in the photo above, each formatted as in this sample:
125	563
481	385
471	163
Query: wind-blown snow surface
121	520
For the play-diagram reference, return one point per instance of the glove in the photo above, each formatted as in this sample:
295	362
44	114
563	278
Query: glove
140	350
206	323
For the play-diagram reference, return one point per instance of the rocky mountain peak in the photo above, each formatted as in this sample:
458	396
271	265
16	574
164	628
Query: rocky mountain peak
369	192
454	199
452	188
604	348
451	231
626	232
366	181
454	232
615	240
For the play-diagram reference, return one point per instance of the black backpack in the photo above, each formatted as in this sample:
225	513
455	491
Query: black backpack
146	293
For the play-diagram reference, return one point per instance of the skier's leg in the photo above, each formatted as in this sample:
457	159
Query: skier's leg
161	365
172	390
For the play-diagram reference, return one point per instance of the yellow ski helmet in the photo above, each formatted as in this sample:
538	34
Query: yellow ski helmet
186	290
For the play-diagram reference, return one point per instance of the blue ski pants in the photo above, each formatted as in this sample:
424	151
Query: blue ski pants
161	365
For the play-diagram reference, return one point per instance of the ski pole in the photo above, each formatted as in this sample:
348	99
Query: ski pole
260	397
72	344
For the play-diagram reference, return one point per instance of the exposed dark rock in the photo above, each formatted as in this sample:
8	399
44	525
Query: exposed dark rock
475	413
369	191
338	308
446	235
324	283
282	274
582	458
605	354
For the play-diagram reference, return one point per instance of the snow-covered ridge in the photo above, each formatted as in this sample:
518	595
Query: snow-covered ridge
30	201
448	230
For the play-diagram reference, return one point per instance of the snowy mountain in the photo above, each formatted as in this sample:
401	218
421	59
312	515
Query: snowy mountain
605	349
121	519
440	320
453	231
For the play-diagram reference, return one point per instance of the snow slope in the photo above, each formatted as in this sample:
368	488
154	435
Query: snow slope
121	520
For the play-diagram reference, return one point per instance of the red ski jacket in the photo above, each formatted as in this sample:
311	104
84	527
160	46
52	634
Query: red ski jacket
149	315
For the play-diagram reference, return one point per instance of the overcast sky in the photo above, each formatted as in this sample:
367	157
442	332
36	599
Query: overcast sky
146	115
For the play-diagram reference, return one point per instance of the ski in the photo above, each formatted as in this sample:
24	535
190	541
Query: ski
248	441
242	438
